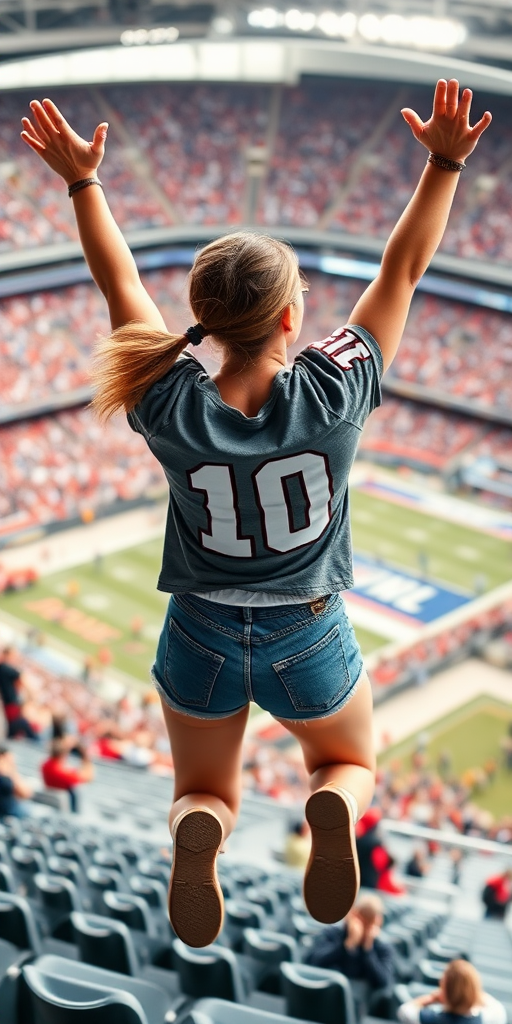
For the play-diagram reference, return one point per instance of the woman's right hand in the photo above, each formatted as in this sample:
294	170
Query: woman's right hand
53	139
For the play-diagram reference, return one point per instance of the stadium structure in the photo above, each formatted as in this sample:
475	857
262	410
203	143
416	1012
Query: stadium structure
285	121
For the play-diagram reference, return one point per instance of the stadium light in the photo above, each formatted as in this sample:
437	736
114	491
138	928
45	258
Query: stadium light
151	36
222	25
394	29
422	32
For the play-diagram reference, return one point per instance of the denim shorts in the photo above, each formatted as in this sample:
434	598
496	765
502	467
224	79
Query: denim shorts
297	661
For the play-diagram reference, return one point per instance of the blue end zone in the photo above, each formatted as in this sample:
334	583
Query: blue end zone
395	591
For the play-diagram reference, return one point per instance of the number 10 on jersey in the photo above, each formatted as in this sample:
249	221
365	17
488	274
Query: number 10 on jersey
274	483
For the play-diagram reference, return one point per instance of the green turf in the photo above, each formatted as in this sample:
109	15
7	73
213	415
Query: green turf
472	736
456	554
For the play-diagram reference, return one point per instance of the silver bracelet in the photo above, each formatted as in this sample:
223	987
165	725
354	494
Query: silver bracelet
77	186
444	163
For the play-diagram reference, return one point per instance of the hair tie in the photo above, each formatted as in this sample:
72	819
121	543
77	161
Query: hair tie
196	334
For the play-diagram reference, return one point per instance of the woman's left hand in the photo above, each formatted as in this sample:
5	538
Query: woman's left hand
53	139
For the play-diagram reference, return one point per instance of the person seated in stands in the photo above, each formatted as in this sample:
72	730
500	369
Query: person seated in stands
11	690
355	947
13	789
497	894
58	773
297	845
417	866
458	999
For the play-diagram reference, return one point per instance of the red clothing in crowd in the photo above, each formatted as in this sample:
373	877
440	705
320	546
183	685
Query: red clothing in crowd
57	775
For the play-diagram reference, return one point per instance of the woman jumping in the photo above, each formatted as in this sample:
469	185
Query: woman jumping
257	543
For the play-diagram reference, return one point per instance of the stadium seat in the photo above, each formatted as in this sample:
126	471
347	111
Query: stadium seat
26	865
65	867
6	879
99	881
317	994
151	869
131	909
265	951
219	1011
110	861
212	971
35	841
105	943
71	851
58	896
155	1002
151	890
17	924
62	1001
240	914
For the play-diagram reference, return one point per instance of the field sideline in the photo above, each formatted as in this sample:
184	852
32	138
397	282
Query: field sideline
111	604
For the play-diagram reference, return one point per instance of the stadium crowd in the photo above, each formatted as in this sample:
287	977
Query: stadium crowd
67	466
178	153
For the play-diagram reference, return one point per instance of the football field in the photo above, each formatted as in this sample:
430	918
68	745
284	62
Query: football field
110	607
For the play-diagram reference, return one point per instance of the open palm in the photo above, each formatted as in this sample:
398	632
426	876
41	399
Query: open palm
448	131
53	139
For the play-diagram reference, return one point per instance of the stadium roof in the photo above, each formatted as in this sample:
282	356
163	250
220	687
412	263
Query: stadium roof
468	28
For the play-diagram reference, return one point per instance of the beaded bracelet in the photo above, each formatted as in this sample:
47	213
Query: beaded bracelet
444	163
83	183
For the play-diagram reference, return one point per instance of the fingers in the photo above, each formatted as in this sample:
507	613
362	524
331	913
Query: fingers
481	125
439	107
44	123
35	144
465	105
452	98
413	120
28	129
54	114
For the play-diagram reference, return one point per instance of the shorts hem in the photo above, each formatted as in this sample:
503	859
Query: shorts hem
186	711
311	716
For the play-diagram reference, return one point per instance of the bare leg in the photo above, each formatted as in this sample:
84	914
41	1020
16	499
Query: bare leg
207	757
338	752
339	749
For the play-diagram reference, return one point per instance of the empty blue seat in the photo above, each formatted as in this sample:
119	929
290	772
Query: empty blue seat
219	1011
317	994
105	943
212	971
64	1001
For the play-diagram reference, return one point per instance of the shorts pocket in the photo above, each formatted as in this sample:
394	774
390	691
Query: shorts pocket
316	679
190	668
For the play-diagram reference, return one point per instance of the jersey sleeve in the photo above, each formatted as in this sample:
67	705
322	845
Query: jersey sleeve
346	370
155	409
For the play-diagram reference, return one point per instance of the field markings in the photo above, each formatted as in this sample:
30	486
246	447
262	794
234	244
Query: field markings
95	602
468	554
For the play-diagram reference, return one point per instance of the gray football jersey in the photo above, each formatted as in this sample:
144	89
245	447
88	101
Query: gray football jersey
261	503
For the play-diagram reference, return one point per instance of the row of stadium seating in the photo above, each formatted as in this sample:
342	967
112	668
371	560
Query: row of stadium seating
338	156
83	915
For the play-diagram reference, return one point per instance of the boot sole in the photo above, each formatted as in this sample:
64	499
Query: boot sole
331	881
196	905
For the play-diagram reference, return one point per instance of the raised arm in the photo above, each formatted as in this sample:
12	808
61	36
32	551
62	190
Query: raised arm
108	256
383	307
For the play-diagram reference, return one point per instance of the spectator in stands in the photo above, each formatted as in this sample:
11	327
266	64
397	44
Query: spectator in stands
497	894
58	773
246	292
297	845
417	865
11	694
13	788
356	948
458	999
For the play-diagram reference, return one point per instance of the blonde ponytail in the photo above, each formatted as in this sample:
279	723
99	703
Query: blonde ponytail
128	362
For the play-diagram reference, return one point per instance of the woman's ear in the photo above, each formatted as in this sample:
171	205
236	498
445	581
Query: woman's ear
288	318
